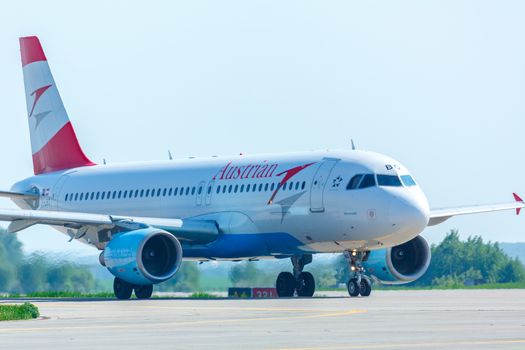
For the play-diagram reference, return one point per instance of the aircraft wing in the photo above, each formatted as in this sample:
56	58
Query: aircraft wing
193	231
437	216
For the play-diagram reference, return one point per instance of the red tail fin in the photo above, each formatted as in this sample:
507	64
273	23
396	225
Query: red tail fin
53	141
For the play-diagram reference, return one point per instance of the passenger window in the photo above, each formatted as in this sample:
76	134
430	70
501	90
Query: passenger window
65	199
303	185
176	191
296	186
265	187
236	189
218	189
103	195
248	188
187	191
147	193
119	194
408	180
125	194
354	182
170	191
368	181
98	196
388	180
164	192
158	192
209	189
254	187
200	190
260	187
230	189
76	196
224	188
242	188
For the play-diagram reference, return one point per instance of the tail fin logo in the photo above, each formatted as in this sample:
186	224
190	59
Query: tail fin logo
38	93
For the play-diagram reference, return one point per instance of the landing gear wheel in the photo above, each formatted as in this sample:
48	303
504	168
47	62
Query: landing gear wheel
143	292
353	287
365	287
306	285
122	289
285	284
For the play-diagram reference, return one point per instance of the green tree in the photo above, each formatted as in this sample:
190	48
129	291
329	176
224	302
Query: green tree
470	260
187	279
246	274
38	272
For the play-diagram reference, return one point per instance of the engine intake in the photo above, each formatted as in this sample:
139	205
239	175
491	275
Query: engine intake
400	264
144	256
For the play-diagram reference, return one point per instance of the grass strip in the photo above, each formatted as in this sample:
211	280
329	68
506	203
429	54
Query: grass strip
202	295
25	311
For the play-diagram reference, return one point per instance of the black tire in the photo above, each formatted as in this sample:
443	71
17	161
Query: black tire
285	285
353	287
366	287
144	292
306	285
122	289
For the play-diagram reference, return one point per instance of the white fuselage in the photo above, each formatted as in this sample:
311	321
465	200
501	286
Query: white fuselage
264	205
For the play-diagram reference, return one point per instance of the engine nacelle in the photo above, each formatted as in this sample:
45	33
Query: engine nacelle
400	264
144	256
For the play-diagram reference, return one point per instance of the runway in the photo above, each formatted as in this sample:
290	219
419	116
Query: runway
468	319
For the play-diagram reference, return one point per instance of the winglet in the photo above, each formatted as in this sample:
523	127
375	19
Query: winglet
518	199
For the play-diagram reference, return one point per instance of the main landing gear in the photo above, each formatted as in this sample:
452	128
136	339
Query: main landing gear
301	282
359	283
123	290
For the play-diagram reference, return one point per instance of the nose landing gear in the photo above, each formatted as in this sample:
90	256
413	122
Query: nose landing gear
359	283
301	282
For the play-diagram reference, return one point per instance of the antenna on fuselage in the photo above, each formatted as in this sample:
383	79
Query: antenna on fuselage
353	144
169	155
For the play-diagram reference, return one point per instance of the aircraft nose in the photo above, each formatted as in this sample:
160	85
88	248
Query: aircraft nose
409	215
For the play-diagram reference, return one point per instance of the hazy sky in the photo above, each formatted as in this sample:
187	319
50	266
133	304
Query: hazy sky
438	85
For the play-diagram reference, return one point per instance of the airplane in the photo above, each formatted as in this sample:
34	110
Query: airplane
147	217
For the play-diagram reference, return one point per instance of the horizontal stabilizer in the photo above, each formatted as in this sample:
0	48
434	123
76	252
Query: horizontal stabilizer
19	195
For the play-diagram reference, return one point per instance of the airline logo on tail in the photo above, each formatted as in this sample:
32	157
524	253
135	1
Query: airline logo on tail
38	93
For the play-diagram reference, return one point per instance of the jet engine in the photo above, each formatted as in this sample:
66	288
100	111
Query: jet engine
143	257
400	264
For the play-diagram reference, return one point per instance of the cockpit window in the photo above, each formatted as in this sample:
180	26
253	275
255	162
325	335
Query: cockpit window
361	181
388	180
354	182
368	180
408	180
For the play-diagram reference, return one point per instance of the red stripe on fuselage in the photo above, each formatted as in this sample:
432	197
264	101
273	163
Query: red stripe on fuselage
61	152
31	50
288	174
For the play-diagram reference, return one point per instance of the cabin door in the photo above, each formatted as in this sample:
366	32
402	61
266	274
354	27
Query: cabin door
200	192
318	185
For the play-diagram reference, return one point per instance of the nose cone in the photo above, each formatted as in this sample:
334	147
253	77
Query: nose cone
409	214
